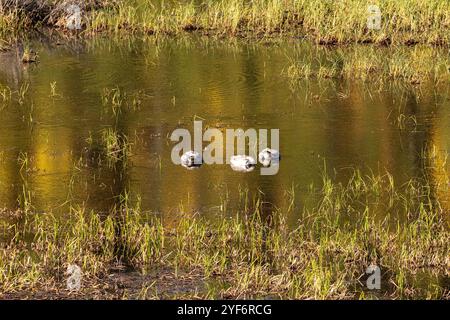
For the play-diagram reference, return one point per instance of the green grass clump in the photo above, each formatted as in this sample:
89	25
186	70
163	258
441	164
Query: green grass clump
11	24
408	65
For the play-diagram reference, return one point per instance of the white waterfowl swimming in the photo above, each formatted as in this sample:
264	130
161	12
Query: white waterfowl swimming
269	156
242	163
191	160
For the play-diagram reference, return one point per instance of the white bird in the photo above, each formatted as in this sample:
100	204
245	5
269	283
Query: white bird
269	156
242	163
191	160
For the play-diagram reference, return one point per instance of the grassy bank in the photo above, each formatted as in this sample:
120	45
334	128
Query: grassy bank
252	252
325	22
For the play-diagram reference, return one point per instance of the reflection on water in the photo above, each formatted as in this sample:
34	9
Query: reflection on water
165	84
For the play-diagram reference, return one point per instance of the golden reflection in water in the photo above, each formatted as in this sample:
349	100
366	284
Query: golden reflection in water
238	87
52	153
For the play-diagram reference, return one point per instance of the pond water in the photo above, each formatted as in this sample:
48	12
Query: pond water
165	84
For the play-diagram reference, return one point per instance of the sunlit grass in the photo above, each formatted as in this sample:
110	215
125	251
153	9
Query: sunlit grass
256	252
325	22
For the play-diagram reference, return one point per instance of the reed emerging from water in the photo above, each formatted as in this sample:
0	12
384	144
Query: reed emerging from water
409	65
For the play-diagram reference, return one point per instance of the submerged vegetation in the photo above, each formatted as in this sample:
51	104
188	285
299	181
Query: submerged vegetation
252	252
325	22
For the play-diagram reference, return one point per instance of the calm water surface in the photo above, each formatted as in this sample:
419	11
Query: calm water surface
166	84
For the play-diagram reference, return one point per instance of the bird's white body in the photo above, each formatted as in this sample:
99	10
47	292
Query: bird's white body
191	160
269	156
242	163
